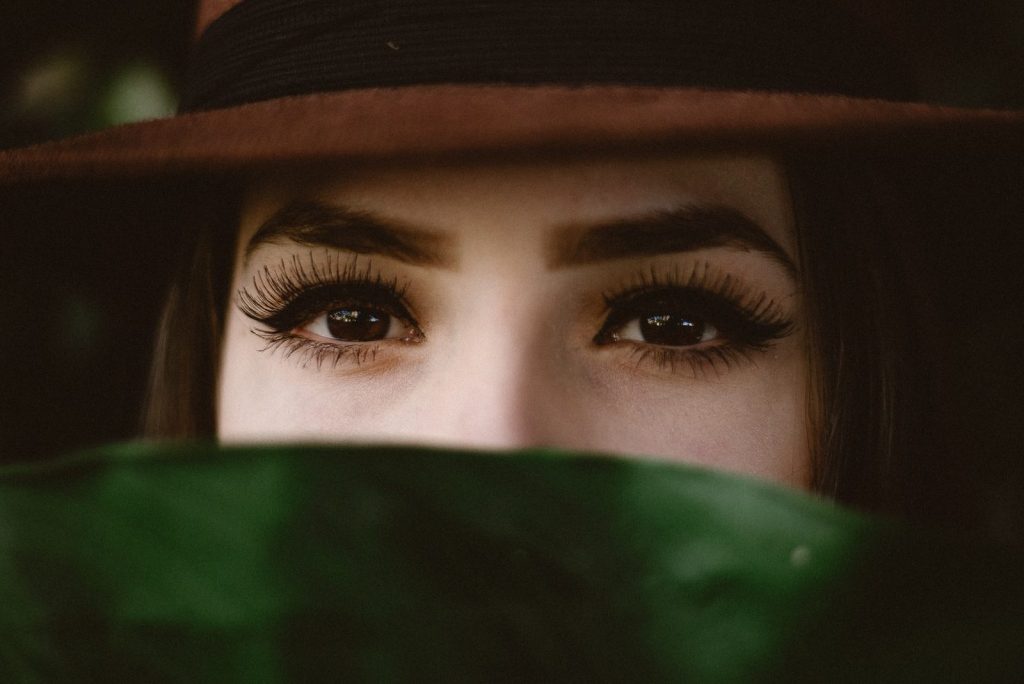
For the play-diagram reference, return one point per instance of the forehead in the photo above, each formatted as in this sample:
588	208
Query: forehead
493	196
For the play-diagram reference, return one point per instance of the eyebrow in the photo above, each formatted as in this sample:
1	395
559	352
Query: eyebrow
663	232
318	224
315	223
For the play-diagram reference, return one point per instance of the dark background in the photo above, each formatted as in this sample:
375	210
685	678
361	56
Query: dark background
77	333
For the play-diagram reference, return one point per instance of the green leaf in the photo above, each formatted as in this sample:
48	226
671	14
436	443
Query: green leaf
272	564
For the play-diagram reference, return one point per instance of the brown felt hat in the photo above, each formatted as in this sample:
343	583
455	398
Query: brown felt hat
304	80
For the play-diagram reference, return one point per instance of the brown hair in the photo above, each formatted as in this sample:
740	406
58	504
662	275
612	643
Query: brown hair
865	395
182	390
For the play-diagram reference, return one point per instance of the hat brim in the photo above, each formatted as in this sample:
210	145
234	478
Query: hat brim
440	120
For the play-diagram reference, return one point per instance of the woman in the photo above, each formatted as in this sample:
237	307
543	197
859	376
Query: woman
679	231
629	266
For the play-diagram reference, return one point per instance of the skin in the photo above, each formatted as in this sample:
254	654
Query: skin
507	357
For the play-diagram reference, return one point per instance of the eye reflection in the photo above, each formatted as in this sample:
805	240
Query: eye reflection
668	329
354	325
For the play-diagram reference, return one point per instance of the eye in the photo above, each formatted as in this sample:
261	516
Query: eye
691	319
334	312
668	328
359	324
673	317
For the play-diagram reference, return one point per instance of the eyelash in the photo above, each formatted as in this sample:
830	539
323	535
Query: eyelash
296	290
292	293
750	322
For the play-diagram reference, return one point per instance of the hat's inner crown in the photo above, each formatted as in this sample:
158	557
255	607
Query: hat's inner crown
210	10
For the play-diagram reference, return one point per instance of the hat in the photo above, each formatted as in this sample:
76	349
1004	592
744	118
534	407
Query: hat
302	80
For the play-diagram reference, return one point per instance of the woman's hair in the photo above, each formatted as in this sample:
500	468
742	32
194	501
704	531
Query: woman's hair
867	398
868	391
182	390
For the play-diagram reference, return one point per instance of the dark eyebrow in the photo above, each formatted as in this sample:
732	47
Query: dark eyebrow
664	232
316	223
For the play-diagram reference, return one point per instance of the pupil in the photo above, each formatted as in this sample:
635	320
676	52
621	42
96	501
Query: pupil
358	325
676	330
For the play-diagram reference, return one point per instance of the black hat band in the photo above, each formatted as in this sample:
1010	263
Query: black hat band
265	49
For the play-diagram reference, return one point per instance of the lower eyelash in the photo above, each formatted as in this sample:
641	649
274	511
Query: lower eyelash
698	363
307	352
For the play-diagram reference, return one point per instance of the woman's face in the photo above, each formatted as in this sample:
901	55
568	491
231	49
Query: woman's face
633	306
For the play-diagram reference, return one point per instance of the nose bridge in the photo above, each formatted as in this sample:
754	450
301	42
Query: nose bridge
492	382
495	405
495	409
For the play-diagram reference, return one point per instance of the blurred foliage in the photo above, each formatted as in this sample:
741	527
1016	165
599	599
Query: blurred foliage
72	66
65	94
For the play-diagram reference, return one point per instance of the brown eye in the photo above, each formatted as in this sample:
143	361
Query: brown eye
687	319
674	329
358	325
668	329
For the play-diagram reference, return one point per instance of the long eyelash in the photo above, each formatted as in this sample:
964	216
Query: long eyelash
703	278
276	289
289	293
760	319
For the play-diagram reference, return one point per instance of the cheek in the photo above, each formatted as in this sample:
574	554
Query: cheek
266	396
746	422
743	434
262	396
